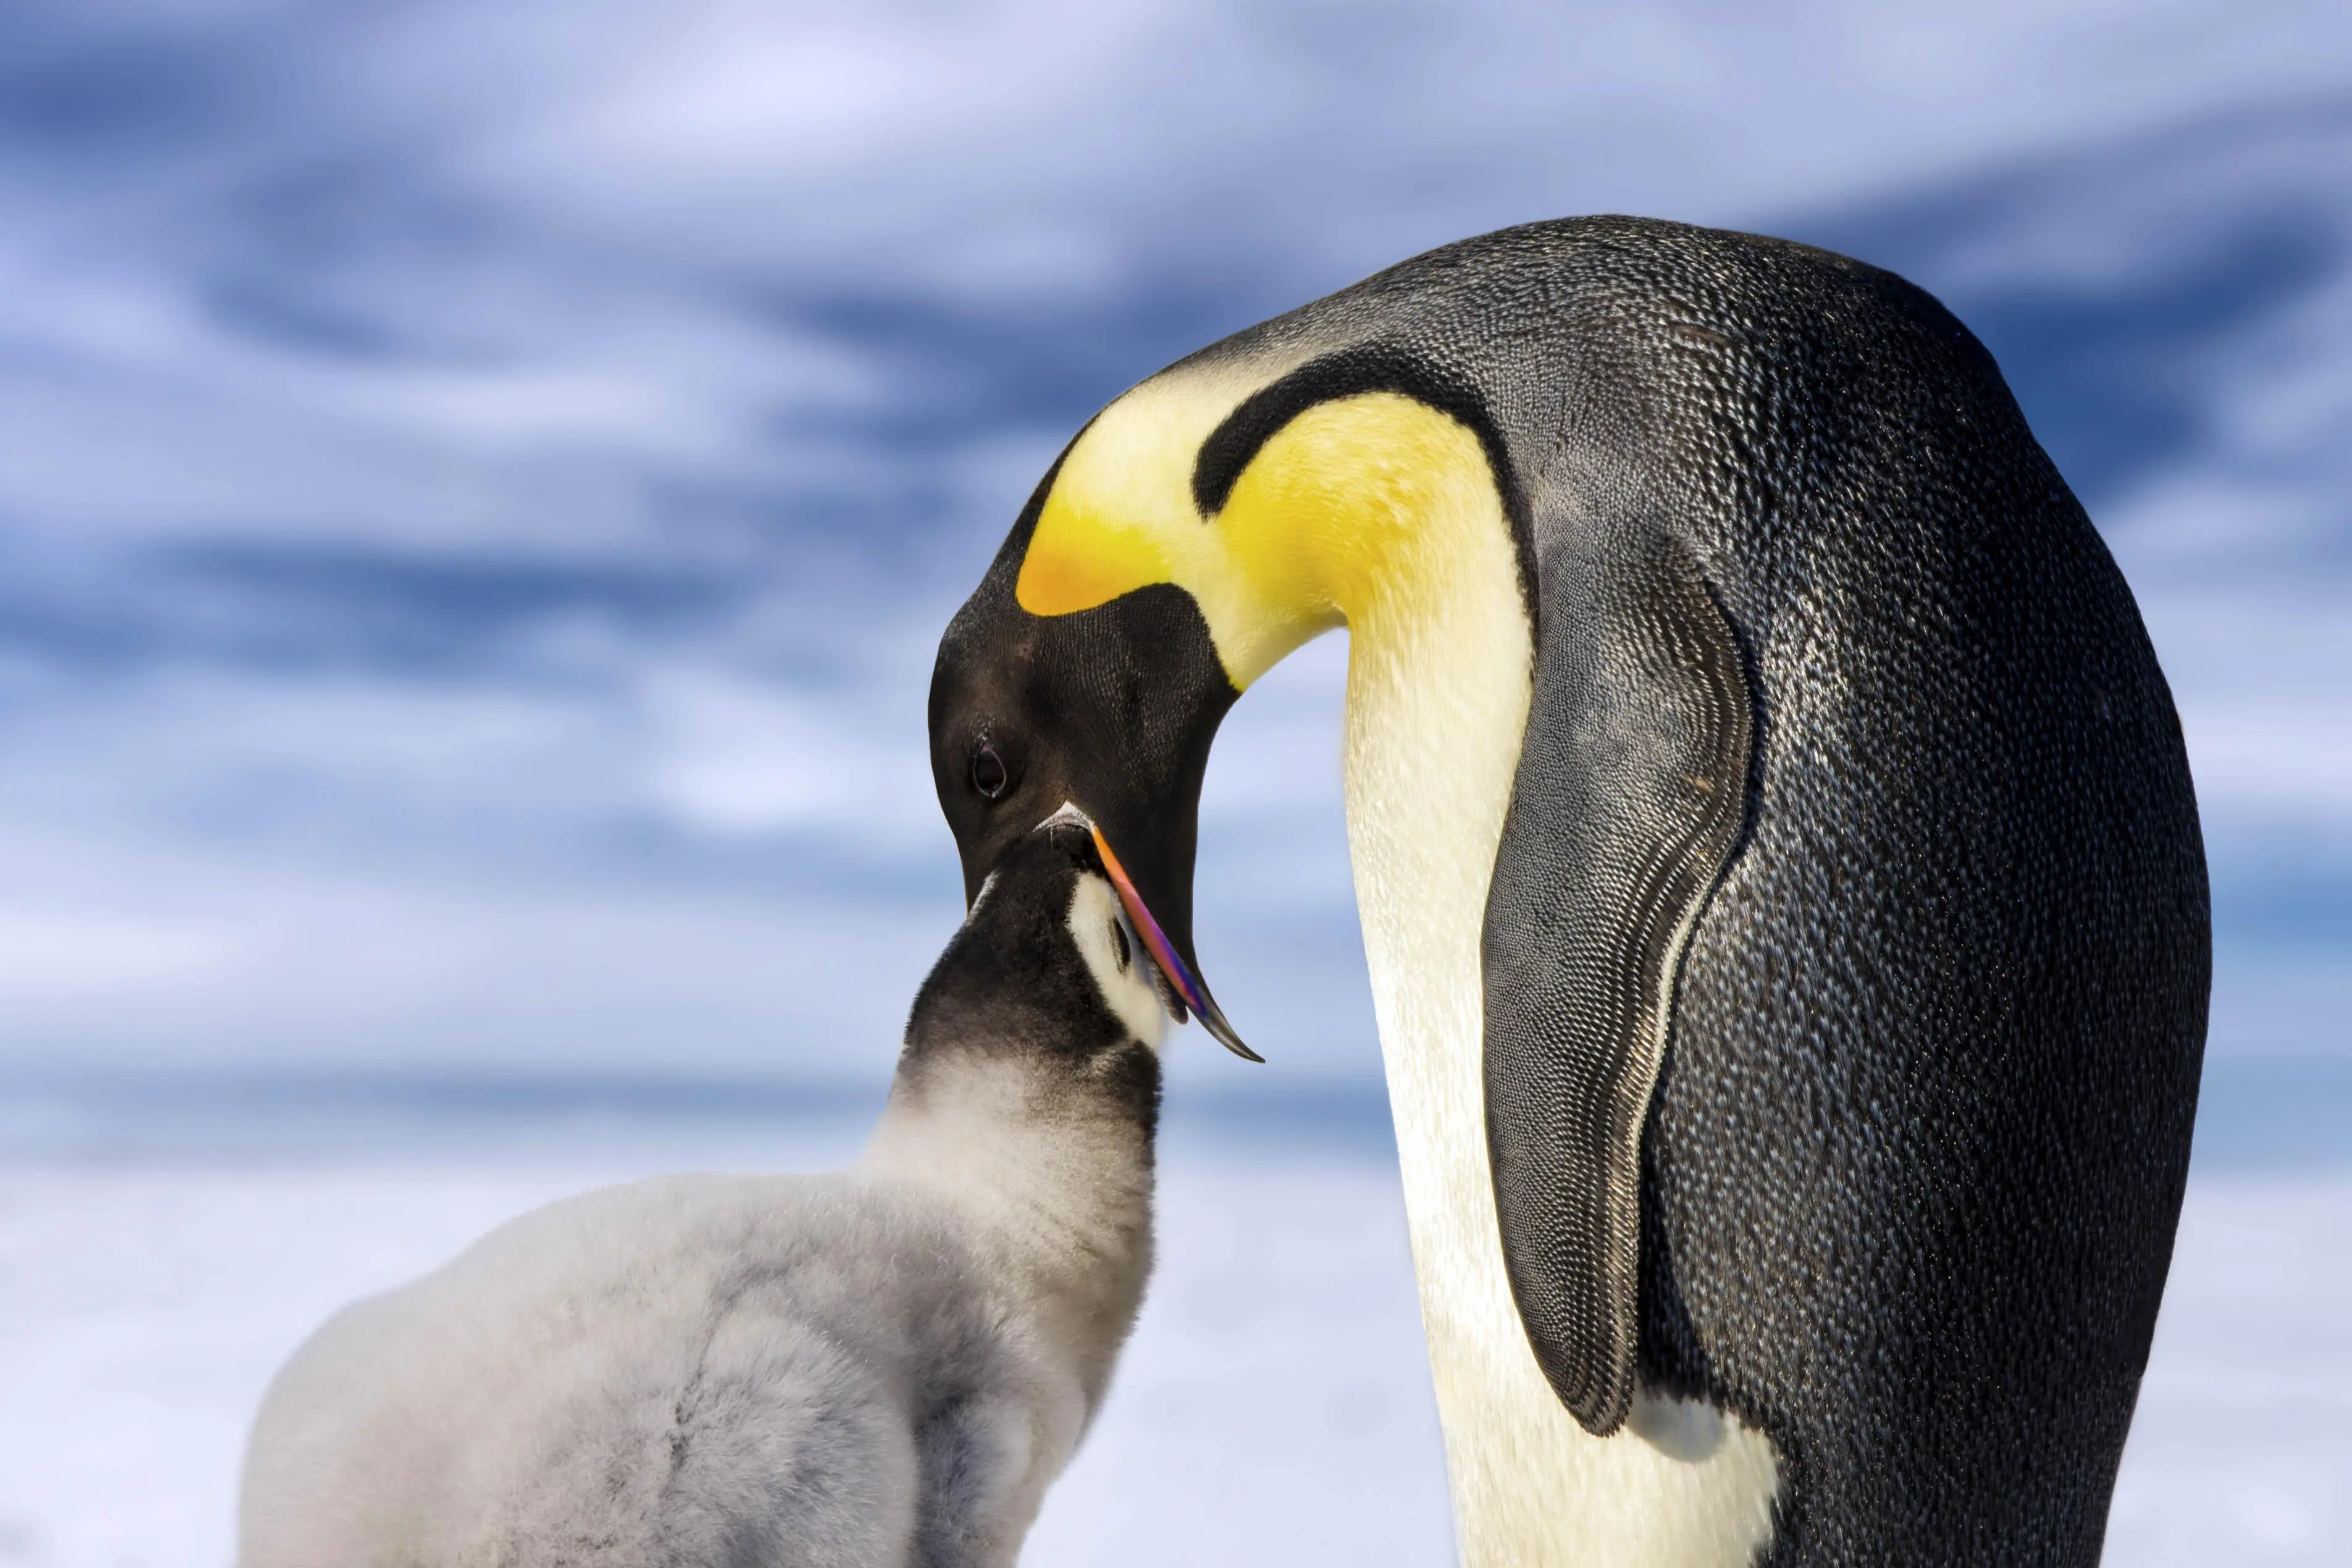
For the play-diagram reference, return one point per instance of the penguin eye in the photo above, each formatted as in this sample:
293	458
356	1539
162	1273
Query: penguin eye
1119	945
988	774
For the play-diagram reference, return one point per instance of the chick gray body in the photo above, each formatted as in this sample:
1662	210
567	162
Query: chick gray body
875	1367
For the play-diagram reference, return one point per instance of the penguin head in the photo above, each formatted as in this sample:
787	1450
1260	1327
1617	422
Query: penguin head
1047	965
1113	709
1100	652
1198	531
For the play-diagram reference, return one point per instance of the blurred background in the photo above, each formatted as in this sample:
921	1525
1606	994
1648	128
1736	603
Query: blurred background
480	485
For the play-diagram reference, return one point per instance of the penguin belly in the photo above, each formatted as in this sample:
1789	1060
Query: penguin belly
1437	705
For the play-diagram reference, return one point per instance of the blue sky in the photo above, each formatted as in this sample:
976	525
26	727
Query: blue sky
479	486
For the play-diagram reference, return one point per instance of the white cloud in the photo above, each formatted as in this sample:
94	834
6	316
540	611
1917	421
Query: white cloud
47	951
741	758
153	952
803	301
2280	755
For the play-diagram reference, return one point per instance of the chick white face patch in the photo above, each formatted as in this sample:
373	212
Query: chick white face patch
1121	970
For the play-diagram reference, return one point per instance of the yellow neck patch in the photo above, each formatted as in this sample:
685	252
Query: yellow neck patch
1349	511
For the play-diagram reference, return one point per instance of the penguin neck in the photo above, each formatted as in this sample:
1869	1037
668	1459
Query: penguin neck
1406	539
1052	1178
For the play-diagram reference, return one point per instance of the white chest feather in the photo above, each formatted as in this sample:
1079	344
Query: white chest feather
1437	704
1379	511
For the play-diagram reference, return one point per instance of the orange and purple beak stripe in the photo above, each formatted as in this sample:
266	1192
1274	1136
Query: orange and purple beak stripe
1189	991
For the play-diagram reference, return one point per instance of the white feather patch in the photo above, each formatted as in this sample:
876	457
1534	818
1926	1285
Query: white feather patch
1115	959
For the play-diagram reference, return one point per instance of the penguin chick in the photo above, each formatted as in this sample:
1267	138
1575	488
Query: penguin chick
885	1364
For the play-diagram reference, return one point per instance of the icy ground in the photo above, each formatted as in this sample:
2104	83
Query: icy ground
1274	1407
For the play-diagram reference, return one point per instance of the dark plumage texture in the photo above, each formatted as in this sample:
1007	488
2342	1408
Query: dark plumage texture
1847	949
1915	1145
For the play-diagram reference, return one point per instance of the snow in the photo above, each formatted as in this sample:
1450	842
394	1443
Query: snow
1274	1407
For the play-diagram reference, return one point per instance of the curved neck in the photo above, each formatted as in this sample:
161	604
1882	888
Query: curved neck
1382	512
1378	512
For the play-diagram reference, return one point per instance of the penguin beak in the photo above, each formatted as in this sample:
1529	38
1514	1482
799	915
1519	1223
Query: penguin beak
1186	985
1180	989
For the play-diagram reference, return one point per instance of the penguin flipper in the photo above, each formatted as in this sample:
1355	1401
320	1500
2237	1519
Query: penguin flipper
1630	799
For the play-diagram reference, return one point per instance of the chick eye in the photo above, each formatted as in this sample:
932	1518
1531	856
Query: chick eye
1119	943
988	775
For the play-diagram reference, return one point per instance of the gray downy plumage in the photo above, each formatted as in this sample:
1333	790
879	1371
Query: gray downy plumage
885	1366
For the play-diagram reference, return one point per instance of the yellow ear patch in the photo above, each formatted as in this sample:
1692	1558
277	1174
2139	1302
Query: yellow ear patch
1075	563
1356	502
1121	515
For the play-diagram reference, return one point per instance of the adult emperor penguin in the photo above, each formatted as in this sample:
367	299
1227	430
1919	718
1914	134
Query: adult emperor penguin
1779	868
